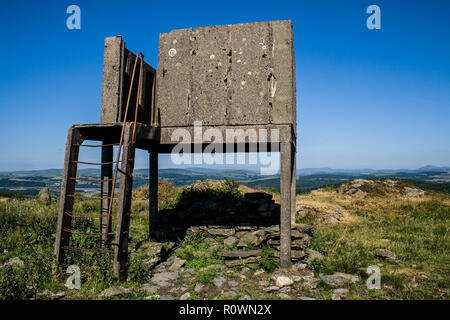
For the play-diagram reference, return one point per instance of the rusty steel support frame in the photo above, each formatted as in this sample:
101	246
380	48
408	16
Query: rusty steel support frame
171	114
287	200
65	202
153	192
145	136
105	193
155	141
287	148
124	205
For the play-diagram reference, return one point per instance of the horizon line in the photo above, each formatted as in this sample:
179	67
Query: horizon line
243	169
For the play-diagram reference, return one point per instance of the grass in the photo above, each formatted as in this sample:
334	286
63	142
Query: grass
415	229
198	253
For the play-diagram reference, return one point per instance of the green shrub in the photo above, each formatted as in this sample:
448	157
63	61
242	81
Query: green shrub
16	283
268	261
137	271
196	252
206	276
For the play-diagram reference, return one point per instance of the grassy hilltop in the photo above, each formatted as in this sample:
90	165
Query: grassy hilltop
350	222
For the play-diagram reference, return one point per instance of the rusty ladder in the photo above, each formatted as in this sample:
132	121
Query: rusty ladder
124	166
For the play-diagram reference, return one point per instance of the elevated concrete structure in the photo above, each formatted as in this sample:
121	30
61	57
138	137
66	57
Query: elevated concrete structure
234	76
228	77
239	74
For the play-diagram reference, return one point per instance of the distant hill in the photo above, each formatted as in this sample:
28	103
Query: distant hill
428	168
30	182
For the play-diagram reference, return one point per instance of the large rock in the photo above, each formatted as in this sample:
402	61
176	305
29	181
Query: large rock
385	254
222	232
271	289
185	296
53	295
114	291
229	242
45	195
14	262
150	289
413	192
305	298
240	262
177	264
219	281
314	256
249	239
199	288
304	210
339	293
282	281
229	294
163	279
241	254
145	203
339	279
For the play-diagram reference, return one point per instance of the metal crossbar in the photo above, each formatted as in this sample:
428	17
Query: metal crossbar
88	234
76	196
90	180
84	215
95	145
88	250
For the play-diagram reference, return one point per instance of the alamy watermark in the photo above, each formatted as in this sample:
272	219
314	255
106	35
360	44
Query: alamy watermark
215	139
74	280
374	280
74	20
374	20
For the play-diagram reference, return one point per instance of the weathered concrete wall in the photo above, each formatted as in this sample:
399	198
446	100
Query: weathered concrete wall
118	66
239	74
112	62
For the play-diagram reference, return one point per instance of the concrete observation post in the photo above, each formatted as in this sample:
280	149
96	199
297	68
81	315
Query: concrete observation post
237	77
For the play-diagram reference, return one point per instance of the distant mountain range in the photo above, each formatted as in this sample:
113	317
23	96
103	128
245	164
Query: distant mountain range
223	172
427	168
30	182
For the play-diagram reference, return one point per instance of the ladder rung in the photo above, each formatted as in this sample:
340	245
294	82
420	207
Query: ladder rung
88	250
95	145
76	196
90	180
88	234
96	163
65	265
85	215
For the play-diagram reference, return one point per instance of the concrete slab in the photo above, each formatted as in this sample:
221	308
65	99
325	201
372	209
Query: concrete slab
240	74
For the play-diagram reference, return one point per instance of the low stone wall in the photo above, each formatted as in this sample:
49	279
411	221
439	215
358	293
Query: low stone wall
246	225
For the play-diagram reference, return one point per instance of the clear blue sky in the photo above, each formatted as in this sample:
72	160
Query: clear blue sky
365	98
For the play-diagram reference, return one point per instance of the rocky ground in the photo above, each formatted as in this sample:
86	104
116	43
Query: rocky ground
222	242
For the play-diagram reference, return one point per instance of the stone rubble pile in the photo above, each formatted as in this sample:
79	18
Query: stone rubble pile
325	215
246	225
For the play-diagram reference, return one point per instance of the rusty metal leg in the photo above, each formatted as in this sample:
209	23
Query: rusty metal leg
286	175
153	193
106	188
124	206
65	202
293	185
